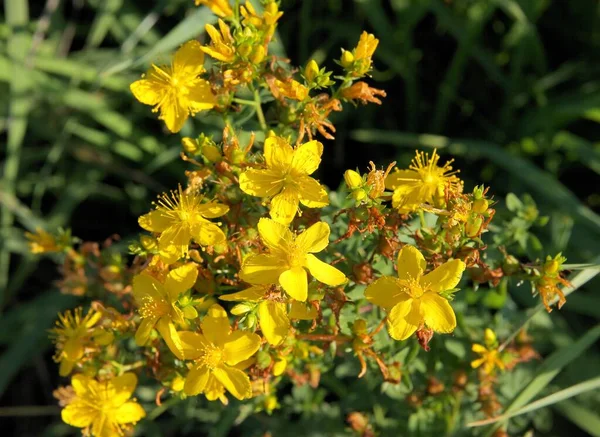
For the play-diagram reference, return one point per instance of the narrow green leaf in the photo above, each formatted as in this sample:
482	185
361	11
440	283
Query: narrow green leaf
581	416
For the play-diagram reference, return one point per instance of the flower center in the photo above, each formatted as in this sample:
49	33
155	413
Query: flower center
212	357
413	288
154	307
296	256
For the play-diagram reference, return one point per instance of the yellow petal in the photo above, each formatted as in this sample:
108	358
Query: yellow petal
278	153
477	363
411	263
479	348
188	59
215	325
193	344
323	272
78	414
148	92
208	234
155	221
66	367
385	292
73	349
81	384
124	386
445	277
312	193
252	294
176	236
401	177
240	346
301	311
143	332
307	157
169	334
200	97
146	287
279	366
214	390
284	206
212	210
129	412
196	380
181	279
262	269
274	235
173	113
438	313
404	319
274	322
235	381
314	239
295	283
261	183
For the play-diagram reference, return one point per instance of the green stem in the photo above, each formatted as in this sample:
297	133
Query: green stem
259	111
422	218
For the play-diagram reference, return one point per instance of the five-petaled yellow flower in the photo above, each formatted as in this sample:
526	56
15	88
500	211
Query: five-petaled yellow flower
180	218
413	300
423	183
221	42
156	302
222	8
490	355
219	354
273	315
72	333
103	408
289	258
176	90
286	179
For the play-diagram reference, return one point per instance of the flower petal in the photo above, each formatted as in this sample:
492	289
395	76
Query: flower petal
252	294
147	287
215	325
200	96
167	331
445	277
193	344
262	269
129	412
385	292
278	153
295	283
196	380
235	381
147	91
404	319
274	321
479	348
261	183
401	178
477	363
212	210
123	386
81	384
284	206
181	279
78	414
274	235
188	59
214	390
155	221
307	157
240	346
312	193
323	272
143	332
438	313
177	237
411	263
173	113
206	233
314	239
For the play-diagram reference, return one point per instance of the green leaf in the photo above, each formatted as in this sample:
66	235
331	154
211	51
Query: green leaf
581	416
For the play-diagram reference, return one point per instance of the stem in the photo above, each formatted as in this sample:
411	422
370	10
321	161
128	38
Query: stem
422	218
259	111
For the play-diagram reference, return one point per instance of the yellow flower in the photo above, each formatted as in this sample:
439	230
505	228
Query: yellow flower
286	179
72	334
219	7
176	90
42	242
292	89
221	43
289	258
490	356
156	302
413	300
423	182
273	316
218	353
103	408
358	62
267	22
180	218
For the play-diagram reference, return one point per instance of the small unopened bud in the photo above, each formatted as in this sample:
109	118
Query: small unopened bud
148	242
353	179
347	59
271	403
103	338
311	71
190	313
551	266
363	273
241	308
244	49
279	366
190	145
480	206
212	153
359	327
359	195
263	359
489	338
473	226
258	55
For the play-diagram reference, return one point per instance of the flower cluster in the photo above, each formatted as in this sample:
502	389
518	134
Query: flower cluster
237	283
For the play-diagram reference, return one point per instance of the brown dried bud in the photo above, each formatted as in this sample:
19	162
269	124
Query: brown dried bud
363	273
435	386
424	336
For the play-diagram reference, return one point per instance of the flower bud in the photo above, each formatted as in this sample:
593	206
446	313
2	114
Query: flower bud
551	266
311	71
489	338
359	327
102	337
212	153
244	49
178	383
347	59
190	313
359	195
241	308
263	359
480	206
258	55
190	145
148	242
271	403
279	366
353	179
473	226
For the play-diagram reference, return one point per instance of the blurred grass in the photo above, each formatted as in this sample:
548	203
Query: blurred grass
509	87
